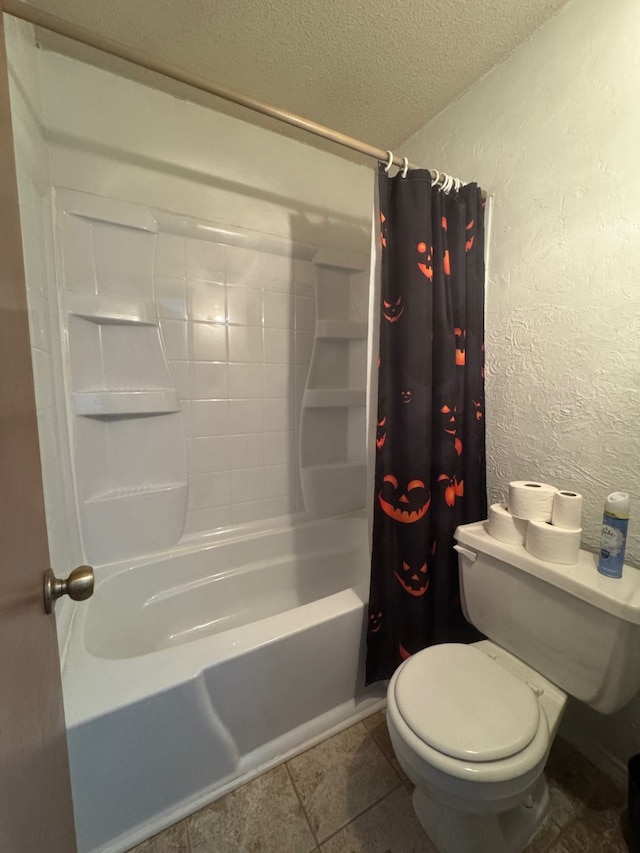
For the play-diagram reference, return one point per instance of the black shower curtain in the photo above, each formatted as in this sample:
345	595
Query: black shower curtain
430	445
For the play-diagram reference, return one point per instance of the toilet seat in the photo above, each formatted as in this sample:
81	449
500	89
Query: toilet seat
439	764
485	714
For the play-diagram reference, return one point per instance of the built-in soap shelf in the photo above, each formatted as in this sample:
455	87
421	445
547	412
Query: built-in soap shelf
107	310
334	397
333	470
343	261
341	330
127	424
96	404
119	519
333	489
135	492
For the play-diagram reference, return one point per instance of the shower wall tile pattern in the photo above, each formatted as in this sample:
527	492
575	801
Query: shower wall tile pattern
238	329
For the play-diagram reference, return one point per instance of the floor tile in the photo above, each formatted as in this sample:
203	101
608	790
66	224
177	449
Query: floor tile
172	840
390	826
604	812
376	725
264	816
578	838
571	778
340	778
547	833
356	803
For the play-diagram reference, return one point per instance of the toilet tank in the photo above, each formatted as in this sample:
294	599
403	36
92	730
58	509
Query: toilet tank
573	625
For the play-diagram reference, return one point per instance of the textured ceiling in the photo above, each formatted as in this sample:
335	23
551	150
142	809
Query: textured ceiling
375	70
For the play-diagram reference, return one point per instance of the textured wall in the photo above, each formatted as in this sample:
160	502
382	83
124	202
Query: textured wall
554	134
333	62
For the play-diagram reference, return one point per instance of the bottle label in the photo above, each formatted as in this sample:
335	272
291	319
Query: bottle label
612	541
612	545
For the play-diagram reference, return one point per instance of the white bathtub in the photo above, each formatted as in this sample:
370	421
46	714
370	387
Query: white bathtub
189	674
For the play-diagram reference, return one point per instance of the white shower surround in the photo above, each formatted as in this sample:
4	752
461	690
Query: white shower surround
113	138
553	133
179	327
242	641
36	215
194	354
87	130
129	147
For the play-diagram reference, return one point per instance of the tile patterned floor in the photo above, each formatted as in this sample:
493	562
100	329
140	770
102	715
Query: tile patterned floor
349	795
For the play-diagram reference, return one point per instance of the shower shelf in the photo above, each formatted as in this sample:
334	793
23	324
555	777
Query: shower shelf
341	330
337	484
332	420
353	467
135	492
107	310
330	398
118	520
128	438
95	404
339	259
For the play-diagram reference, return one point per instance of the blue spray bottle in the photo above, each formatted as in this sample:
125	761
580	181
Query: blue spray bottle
614	534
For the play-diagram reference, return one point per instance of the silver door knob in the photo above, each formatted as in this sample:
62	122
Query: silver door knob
78	586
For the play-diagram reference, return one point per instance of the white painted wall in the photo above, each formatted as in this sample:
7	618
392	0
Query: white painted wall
554	134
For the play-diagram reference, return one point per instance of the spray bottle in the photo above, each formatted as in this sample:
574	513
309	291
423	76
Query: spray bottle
614	534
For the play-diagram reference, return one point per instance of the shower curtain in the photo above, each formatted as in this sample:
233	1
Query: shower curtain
430	473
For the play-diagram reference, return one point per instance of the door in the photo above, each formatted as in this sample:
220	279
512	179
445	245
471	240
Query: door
36	814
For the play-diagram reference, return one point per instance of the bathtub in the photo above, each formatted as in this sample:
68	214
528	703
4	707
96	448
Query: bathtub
188	674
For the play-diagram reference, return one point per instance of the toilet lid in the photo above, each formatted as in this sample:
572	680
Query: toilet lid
461	702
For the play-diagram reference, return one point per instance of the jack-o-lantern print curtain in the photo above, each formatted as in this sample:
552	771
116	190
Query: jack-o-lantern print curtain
430	444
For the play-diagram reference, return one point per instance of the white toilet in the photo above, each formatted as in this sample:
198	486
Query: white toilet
472	725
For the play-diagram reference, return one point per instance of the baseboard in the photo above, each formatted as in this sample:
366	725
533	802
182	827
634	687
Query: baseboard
598	755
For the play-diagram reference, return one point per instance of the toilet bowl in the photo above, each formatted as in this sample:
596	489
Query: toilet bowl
472	727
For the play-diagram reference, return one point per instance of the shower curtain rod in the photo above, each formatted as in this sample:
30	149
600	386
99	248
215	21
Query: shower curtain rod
44	20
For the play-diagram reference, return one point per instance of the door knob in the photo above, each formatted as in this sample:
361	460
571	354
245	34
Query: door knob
78	586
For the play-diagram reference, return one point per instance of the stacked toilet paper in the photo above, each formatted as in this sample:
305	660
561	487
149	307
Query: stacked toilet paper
542	518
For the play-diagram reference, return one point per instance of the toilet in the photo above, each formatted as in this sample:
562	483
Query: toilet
472	725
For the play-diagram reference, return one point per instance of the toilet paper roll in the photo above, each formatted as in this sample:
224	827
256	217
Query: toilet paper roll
553	544
531	500
567	510
503	526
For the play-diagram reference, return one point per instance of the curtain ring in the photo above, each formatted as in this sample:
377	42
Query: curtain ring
457	183
445	182
389	163
434	181
448	183
405	167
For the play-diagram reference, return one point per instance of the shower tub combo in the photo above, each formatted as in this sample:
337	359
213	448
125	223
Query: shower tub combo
189	674
209	652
